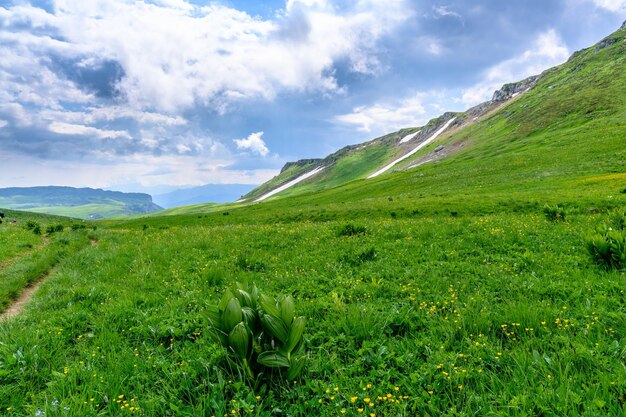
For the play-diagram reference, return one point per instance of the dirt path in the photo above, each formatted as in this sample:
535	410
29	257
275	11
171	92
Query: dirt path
19	303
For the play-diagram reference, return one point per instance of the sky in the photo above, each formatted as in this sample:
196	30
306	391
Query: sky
155	95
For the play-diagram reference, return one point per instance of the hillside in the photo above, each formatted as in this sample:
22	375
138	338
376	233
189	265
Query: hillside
81	203
412	147
468	286
557	137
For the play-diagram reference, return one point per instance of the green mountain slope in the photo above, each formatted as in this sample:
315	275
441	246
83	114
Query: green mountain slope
559	137
82	203
588	89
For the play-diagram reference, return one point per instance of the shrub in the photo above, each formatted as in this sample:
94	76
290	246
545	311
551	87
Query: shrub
37	230
53	228
260	333
30	225
249	265
617	220
357	259
554	214
607	247
78	226
352	230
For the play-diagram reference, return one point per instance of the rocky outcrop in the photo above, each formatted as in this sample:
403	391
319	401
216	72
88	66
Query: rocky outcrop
605	43
300	163
623	25
507	90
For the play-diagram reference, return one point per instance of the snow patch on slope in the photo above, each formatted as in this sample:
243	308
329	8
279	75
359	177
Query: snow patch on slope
289	184
420	146
409	137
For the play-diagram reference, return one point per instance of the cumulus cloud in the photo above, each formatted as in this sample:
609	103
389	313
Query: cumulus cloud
173	54
81	130
444	11
388	116
253	143
109	79
548	50
612	5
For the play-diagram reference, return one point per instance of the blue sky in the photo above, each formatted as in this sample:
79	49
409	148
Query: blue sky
155	95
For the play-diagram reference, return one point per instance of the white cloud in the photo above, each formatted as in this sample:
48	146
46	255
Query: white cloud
431	45
182	148
612	5
387	117
443	11
144	170
3	123
17	113
175	55
98	114
81	130
548	50
253	143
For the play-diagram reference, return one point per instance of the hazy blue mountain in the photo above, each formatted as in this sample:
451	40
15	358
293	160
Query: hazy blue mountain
210	193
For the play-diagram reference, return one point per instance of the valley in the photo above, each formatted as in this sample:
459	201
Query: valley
470	285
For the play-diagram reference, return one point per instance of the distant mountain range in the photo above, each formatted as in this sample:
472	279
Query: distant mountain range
210	193
82	203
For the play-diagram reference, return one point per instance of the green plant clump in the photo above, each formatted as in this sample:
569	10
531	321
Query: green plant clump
259	332
555	214
607	247
352	230
53	228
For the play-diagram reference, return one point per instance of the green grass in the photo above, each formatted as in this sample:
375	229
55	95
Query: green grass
15	241
25	270
26	256
85	211
460	299
432	312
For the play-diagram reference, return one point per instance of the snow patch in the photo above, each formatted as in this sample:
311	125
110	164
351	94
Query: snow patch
289	184
409	137
420	146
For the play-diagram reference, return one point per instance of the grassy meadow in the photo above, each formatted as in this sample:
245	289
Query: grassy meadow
436	314
443	290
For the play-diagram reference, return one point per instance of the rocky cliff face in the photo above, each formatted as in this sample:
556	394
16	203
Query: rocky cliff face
300	163
507	90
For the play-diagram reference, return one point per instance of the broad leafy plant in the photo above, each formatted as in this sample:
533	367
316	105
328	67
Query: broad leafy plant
259	332
607	245
555	213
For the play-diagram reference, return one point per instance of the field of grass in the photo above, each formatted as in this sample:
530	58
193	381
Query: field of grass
30	249
494	314
453	294
84	211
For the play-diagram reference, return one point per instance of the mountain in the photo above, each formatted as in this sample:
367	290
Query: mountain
210	193
82	203
585	93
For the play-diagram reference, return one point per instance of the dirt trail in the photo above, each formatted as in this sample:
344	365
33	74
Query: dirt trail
19	303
